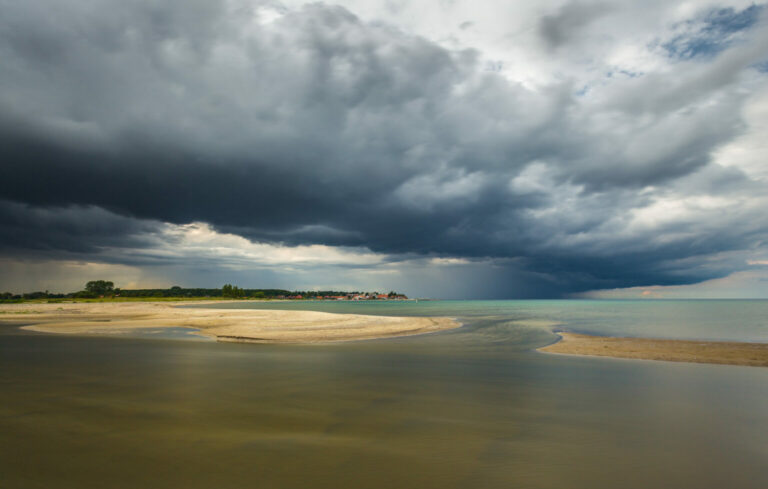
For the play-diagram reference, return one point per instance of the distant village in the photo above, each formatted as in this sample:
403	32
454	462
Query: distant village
365	296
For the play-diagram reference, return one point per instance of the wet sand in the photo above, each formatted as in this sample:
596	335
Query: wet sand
718	352
229	325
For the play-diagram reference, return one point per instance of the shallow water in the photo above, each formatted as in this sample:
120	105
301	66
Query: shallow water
473	407
734	320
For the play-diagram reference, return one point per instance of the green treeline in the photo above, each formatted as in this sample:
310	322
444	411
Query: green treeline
104	289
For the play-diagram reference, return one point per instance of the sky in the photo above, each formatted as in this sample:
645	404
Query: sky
440	148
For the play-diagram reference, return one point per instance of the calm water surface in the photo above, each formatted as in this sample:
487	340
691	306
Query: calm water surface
468	408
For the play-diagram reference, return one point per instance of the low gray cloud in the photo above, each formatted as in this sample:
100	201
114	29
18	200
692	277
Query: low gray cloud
319	128
562	26
67	231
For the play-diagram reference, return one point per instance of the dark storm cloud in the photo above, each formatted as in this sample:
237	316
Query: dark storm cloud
57	231
320	128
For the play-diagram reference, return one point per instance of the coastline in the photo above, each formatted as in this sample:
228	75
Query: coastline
690	351
225	325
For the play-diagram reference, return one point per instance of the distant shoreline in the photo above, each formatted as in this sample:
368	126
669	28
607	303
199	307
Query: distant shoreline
226	325
691	351
187	300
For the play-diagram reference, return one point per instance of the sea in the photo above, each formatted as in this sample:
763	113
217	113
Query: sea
474	407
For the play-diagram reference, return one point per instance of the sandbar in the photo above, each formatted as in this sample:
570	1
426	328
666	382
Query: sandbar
718	352
226	325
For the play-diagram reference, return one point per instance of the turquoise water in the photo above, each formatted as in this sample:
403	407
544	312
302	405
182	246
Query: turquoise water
474	407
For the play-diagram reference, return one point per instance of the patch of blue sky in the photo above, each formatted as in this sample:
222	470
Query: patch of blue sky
495	66
717	30
761	67
623	73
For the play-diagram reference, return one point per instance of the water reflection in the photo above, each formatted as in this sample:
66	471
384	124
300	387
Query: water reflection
471	408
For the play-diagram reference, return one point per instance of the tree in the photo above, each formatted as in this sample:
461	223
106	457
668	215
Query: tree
232	291
100	287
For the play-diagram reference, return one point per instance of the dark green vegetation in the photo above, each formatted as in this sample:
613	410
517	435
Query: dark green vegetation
100	288
104	289
232	291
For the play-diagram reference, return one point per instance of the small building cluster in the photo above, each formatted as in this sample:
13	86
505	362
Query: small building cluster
363	296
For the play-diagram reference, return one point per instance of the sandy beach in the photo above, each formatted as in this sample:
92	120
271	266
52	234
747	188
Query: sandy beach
718	352
229	325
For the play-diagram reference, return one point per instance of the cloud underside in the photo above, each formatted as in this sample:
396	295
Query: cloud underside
308	136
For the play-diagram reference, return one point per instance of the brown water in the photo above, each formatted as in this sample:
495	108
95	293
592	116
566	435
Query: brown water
470	408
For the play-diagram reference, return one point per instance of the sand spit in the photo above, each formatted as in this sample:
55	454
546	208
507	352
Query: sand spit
230	325
719	352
